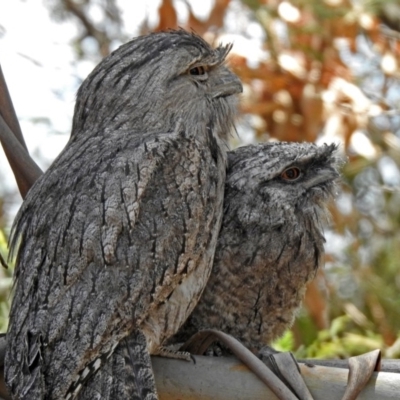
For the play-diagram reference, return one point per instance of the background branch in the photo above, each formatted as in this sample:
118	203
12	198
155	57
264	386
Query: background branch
25	170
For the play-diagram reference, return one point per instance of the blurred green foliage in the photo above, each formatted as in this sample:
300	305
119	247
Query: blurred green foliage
5	283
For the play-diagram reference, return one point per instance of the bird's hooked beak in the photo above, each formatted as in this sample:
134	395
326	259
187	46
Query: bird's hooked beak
230	84
324	175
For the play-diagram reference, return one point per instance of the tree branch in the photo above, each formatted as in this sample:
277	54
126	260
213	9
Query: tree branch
7	111
226	378
25	170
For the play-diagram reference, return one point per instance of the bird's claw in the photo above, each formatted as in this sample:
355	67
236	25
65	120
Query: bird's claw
179	355
201	340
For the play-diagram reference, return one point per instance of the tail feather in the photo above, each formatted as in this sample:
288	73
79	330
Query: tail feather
127	374
24	377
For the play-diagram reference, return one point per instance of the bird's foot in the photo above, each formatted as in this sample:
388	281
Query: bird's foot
199	343
265	352
171	353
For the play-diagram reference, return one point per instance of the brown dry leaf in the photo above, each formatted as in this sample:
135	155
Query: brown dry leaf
342	28
263	109
217	14
263	72
349	125
341	222
280	125
371	25
396	48
333	67
301	39
287	126
378	314
380	42
315	302
311	106
168	17
195	24
238	64
276	82
296	90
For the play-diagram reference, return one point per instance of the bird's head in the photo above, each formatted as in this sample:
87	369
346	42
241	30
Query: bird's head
289	181
156	81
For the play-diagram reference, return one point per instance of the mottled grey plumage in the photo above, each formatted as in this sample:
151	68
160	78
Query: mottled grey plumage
271	241
126	374
118	236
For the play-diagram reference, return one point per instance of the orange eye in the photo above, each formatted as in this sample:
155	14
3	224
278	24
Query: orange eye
200	70
291	174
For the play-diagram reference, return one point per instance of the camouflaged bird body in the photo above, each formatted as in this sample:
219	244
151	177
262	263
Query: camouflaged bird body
271	242
119	234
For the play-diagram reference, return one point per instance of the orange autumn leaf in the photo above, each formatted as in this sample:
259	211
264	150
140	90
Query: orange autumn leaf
316	303
168	17
217	14
195	24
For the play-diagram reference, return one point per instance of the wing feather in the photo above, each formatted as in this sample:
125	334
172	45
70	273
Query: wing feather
104	237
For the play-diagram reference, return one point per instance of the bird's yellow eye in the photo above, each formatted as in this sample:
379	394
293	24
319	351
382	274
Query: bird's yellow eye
200	70
291	174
